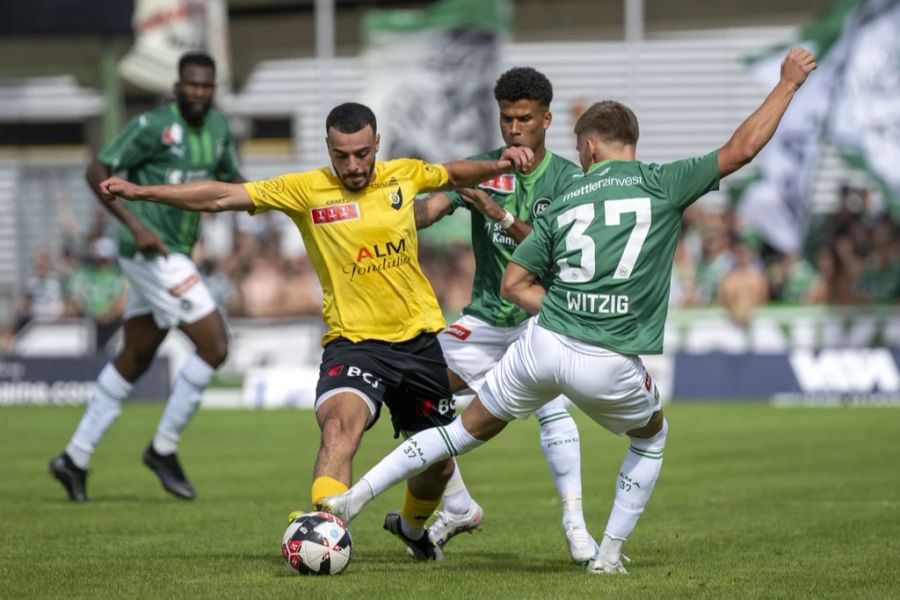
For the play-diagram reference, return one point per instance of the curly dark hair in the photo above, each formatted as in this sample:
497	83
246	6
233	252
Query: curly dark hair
523	83
200	59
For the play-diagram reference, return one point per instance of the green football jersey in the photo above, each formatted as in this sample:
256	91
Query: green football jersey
160	147
613	234
525	196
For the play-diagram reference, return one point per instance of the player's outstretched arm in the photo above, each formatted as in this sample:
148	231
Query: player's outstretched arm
431	209
466	173
198	196
757	130
519	285
147	241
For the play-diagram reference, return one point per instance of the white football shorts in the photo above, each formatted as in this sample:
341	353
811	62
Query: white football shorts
472	347
170	288
613	389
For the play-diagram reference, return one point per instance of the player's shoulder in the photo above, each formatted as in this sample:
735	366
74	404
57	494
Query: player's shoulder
572	180
216	119
562	170
561	163
323	176
404	167
156	118
700	160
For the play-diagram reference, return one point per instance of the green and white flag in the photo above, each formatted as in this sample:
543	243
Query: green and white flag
430	77
865	115
777	204
851	99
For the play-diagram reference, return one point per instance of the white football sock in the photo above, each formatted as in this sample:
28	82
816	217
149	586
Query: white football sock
561	447
635	483
183	403
105	405
457	499
412	456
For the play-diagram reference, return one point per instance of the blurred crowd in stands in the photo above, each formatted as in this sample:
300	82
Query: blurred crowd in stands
256	268
851	256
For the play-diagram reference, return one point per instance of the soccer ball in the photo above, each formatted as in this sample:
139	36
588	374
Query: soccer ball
316	543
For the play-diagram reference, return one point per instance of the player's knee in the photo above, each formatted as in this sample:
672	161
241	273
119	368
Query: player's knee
655	440
216	354
657	424
132	363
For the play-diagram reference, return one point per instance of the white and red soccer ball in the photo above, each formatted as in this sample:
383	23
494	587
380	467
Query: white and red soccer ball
316	543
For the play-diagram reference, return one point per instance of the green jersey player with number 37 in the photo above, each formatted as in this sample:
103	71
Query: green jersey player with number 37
612	234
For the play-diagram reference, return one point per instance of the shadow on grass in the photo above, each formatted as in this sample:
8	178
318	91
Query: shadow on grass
468	561
99	500
398	562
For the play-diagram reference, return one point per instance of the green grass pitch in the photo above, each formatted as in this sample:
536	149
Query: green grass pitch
753	502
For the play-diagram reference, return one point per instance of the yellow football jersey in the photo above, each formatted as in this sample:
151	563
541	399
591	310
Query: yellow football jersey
363	245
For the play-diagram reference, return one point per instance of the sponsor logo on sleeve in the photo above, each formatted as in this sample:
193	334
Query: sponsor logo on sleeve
504	184
323	215
173	135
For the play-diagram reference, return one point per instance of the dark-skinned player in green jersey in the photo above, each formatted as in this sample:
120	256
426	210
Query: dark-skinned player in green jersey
184	140
503	209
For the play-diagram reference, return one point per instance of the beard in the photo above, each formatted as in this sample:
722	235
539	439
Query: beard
193	112
362	178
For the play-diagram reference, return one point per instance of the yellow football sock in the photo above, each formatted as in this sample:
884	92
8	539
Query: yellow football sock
326	486
416	511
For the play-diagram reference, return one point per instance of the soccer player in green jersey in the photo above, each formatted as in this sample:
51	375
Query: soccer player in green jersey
612	233
182	141
503	209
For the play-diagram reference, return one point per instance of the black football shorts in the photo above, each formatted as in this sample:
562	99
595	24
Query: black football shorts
409	377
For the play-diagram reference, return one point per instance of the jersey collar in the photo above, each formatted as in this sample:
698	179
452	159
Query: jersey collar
182	121
527	178
596	166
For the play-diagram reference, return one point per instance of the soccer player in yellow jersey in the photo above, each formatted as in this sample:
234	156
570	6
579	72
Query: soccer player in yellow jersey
357	222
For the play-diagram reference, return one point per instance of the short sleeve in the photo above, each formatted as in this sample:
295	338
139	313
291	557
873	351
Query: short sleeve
229	167
456	200
425	176
535	251
684	181
134	144
287	193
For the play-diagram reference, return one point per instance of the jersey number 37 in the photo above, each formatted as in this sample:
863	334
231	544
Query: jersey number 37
581	217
